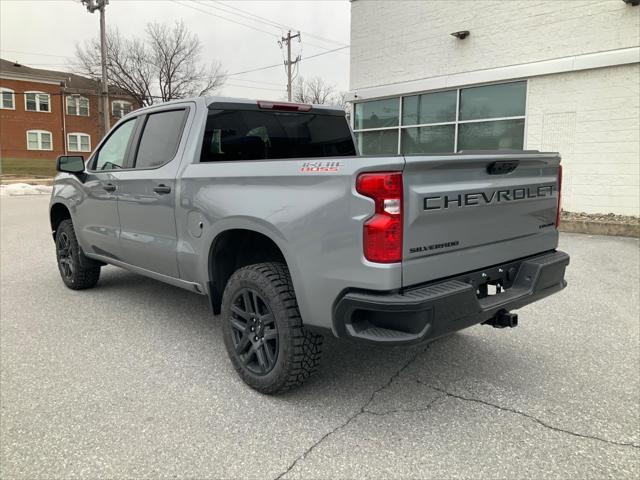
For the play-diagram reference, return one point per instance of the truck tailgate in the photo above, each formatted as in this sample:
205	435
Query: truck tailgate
469	211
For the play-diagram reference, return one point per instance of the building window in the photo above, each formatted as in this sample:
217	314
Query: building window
77	105
7	99
377	114
488	117
39	140
78	142
37	102
120	108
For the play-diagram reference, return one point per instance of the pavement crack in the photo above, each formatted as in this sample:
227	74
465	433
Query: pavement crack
362	410
529	416
406	410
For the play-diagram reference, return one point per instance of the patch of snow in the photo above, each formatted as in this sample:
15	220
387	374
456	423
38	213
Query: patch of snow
17	189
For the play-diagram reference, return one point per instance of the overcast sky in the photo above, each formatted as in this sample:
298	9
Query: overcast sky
43	34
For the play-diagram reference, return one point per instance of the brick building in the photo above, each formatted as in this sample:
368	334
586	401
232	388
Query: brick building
547	75
45	113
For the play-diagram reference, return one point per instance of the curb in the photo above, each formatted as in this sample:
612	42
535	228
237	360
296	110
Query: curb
601	228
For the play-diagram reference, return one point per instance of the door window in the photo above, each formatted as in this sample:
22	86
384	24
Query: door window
160	138
113	152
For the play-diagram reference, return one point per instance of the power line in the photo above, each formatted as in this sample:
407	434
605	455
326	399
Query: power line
224	18
83	94
239	23
279	64
34	53
339	49
258	19
251	86
253	70
30	64
256	81
241	72
281	25
247	15
324	53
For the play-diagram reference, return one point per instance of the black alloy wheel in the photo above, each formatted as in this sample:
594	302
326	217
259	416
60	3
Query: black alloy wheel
76	270
65	256
255	332
265	338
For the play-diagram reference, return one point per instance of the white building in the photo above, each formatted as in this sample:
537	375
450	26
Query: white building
560	75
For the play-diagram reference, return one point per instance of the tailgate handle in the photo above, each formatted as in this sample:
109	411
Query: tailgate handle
501	168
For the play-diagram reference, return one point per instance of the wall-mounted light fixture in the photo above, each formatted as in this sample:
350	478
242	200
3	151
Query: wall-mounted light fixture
462	34
633	3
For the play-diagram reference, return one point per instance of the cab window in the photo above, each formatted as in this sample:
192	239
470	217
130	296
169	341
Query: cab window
232	135
160	138
113	152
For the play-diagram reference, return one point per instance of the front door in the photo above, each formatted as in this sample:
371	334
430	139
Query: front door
97	211
147	193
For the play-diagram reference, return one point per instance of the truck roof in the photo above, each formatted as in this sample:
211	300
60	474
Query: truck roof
231	102
253	101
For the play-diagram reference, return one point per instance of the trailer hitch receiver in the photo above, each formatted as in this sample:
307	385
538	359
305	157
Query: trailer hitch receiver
503	319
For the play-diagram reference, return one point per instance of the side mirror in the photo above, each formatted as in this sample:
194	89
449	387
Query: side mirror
70	164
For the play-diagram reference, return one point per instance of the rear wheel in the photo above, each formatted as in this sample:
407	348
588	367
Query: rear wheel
77	271
263	332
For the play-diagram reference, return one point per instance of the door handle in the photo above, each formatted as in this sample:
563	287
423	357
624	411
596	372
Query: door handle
162	189
109	187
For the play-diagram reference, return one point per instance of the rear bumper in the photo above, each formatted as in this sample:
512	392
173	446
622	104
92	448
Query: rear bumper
430	311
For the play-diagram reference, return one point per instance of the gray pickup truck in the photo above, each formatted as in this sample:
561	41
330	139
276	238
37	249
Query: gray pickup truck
267	209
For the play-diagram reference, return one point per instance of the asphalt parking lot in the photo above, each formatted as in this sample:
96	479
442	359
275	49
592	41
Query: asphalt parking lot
131	379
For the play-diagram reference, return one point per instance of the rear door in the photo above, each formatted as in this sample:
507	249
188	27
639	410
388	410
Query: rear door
468	211
147	192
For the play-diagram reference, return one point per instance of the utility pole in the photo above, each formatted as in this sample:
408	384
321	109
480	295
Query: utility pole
288	63
92	6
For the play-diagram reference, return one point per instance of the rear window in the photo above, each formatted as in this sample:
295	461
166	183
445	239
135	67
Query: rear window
255	135
160	138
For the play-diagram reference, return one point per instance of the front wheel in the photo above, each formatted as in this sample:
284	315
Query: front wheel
77	271
263	332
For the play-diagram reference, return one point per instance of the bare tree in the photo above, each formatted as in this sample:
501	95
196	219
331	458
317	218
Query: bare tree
340	99
317	91
175	54
314	90
163	66
128	65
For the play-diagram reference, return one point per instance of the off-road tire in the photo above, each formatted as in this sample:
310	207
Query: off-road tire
77	271
298	349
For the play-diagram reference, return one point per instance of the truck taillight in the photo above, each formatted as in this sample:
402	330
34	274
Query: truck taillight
383	231
559	195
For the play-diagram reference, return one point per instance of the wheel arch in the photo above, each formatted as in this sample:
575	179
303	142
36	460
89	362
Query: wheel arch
58	212
235	248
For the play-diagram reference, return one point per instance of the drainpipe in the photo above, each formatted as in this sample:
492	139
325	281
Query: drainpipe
64	117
